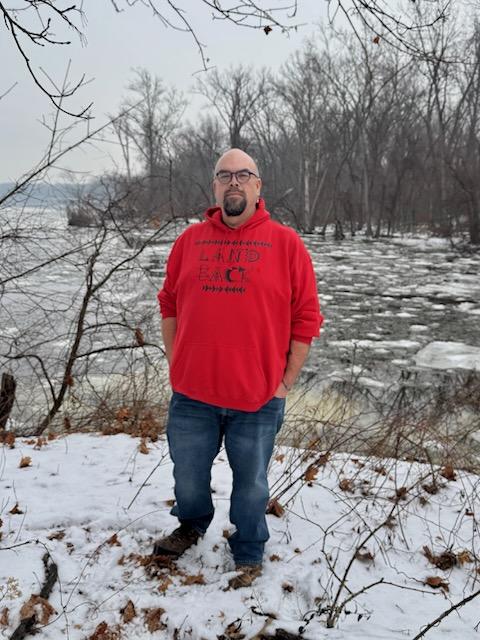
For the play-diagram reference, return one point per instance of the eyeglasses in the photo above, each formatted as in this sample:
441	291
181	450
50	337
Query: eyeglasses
242	176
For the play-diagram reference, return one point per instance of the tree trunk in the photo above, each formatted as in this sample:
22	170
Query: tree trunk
306	193
7	398
474	221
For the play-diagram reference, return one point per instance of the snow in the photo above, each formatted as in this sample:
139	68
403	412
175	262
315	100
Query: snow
373	344
449	355
424	243
82	485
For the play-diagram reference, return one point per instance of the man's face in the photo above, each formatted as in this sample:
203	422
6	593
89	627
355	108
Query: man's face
235	196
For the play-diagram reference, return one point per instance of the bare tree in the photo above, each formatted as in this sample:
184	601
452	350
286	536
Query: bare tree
237	95
465	136
303	92
151	121
197	149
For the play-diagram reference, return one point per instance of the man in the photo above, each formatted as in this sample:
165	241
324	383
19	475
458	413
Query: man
239	309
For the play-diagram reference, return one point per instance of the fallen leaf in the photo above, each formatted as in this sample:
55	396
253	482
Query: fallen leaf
346	485
142	561
444	561
469	512
37	607
267	29
311	473
448	472
104	632
170	503
436	583
15	510
139	337
57	535
286	586
280	457
274	558
142	447
232	632
323	459
26	461
401	493
431	488
40	443
4	617
197	579
359	464
464	557
428	554
364	556
114	541
226	534
8	438
152	619
376	40
380	470
275	508
165	582
128	612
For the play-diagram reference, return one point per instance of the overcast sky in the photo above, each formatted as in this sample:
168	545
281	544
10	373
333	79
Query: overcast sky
116	43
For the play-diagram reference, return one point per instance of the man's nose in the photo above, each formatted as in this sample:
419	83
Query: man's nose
234	180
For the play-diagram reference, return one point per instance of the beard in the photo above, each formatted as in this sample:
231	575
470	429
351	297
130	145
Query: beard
234	205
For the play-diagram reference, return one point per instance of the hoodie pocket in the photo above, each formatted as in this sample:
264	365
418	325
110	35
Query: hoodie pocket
225	372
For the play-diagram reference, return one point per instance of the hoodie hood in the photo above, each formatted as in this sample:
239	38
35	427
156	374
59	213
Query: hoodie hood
261	215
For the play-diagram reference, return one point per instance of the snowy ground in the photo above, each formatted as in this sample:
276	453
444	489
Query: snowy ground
72	500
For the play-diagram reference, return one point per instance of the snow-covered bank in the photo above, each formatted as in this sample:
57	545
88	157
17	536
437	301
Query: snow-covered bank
72	499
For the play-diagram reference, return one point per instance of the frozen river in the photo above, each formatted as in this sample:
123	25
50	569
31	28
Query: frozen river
407	308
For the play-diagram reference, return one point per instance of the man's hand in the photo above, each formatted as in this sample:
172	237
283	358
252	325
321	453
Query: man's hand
281	391
296	357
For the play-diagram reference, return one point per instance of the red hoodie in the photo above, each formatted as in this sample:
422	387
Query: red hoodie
239	296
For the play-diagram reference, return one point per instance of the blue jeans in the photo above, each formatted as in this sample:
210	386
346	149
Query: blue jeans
195	432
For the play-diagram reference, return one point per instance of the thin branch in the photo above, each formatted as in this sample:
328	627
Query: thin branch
446	613
8	90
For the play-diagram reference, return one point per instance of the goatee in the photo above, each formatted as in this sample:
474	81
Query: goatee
234	205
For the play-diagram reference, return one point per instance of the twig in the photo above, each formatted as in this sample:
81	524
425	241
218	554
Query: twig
145	481
443	615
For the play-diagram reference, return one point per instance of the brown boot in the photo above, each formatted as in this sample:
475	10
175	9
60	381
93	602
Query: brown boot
247	573
176	543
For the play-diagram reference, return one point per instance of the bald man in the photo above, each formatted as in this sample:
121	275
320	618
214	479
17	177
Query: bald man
239	310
